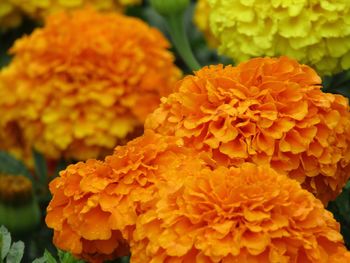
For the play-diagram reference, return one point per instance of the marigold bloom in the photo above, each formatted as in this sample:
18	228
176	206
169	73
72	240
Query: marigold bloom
314	32
94	202
78	215
10	15
41	9
246	214
81	84
201	19
267	110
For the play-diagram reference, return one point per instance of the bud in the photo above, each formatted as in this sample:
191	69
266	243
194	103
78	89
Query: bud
19	211
169	7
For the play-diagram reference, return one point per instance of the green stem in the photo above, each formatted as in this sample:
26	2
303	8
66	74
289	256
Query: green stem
179	37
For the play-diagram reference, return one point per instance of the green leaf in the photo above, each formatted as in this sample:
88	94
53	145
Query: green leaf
49	258
5	243
66	257
40	166
40	260
16	252
61	255
10	165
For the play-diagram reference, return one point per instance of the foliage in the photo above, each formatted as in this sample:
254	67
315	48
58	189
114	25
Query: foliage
63	257
10	252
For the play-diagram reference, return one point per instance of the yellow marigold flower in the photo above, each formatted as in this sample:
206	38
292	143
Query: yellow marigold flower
42	8
78	90
246	214
267	110
201	19
10	15
95	202
314	32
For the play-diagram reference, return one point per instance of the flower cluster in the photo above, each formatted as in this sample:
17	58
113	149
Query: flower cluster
267	111
157	198
113	194
313	32
10	15
78	90
208	182
235	164
246	214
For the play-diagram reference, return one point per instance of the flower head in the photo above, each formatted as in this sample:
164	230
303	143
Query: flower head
246	214
267	110
113	193
78	216
78	90
313	32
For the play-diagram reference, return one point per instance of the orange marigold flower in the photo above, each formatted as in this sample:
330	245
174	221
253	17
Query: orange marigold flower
267	110
95	203
82	83
246	214
79	212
